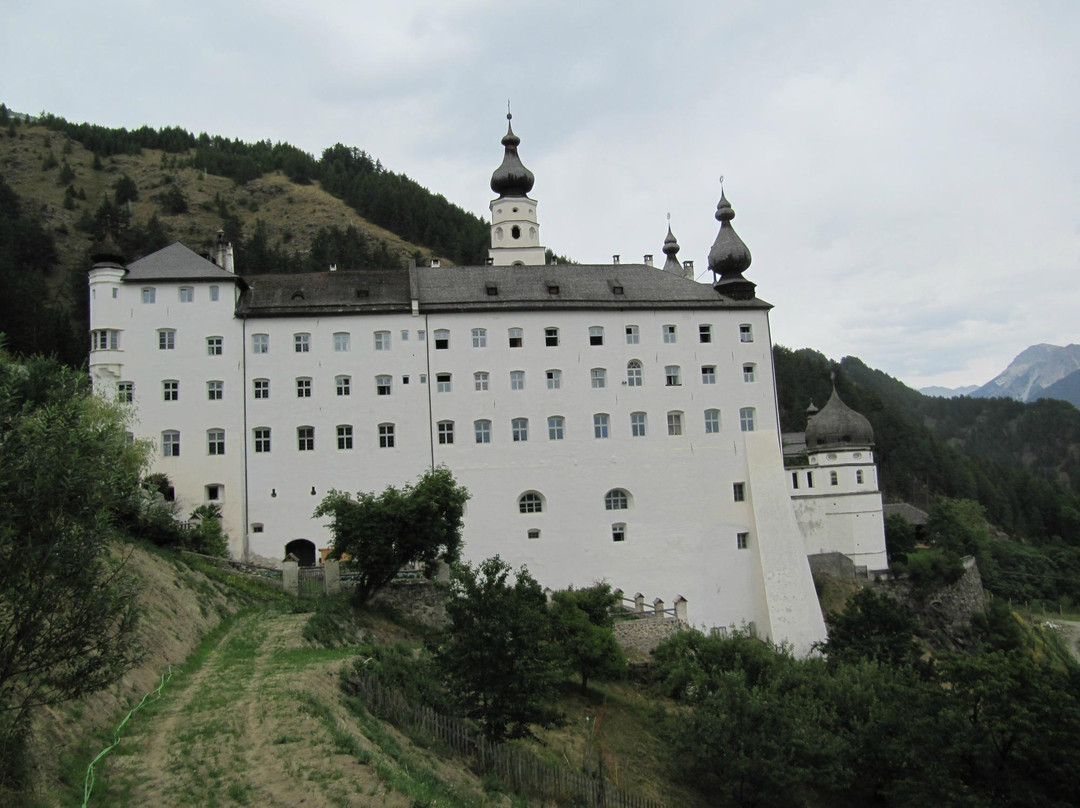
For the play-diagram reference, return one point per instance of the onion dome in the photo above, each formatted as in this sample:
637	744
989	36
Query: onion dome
106	251
511	178
812	410
671	249
838	425
729	257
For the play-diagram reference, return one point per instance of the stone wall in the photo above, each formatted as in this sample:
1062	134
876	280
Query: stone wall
643	634
420	601
953	606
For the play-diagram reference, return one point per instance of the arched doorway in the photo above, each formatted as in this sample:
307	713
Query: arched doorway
304	551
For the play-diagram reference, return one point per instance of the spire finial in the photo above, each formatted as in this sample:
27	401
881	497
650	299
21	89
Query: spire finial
509	116
511	178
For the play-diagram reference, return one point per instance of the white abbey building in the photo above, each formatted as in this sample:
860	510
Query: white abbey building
612	421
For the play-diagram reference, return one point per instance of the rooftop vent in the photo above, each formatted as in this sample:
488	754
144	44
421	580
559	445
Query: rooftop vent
617	289
615	259
490	261
491	289
553	288
298	295
648	259
362	293
688	264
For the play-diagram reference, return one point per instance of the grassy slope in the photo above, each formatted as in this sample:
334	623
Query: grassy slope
292	213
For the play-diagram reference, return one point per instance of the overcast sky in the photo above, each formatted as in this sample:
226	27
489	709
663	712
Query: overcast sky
904	174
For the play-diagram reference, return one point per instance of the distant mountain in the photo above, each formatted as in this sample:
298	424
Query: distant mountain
949	392
1067	389
1031	372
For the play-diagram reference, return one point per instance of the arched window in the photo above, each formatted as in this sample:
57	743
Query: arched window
633	373
616	500
530	502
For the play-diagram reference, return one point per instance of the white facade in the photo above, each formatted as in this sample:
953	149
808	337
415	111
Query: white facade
612	422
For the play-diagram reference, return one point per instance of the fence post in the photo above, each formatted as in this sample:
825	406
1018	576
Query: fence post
639	602
658	607
290	578
332	576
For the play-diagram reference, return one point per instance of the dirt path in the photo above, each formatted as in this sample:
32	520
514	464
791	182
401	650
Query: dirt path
1070	632
259	723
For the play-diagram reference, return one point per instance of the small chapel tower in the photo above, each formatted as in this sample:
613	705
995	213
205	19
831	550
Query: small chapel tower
515	232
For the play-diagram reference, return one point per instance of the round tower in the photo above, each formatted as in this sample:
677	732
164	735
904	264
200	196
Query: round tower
515	230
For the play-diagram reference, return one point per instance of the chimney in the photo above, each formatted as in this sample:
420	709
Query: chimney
229	266
333	267
688	270
615	259
435	262
648	259
219	250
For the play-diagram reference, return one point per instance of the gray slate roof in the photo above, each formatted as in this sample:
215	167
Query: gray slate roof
481	288
176	263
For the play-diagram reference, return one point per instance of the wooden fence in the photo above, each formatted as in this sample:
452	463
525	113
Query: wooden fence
521	771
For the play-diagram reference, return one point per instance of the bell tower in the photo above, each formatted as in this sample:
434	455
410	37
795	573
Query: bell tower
515	231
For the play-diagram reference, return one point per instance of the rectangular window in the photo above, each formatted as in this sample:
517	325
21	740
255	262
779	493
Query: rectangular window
442	339
637	424
554	379
519	429
104	339
344	437
738	492
670	334
517	337
598	378
746	419
305	438
480	381
446	432
149	294
479	337
213	346
386	436
215	391
834	478
125	392
704	333
303	388
382	385
421	335
260	343
171	389
556	427
215	294
262	440
342	341
517	379
262	388
187	294
601	424
170	443
809	479
551	337
215	441
748	373
708	374
674	423
302	343
482	430
746	333
405	335
442	382
596	335
618	532
343	385
795	480
382	340
712	421
166	339
742	540
633	335
672	377
858	476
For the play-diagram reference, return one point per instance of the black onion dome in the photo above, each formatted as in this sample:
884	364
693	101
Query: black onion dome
729	256
106	251
671	249
838	425
511	178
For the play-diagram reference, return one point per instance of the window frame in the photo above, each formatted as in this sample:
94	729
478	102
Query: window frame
302	342
260	343
531	502
387	435
481	381
601	425
444	382
712	421
260	388
635	373
517	379
598	378
482	431
305	439
445	431
384	384
633	335
260	437
746	332
342	341
215	346
516	337
382	340
343	385
479	337
639	424
553	377
442	339
704	333
344	434
675	423
519	430
596	335
215	390
166	339
186	294
170	443
670	333
617	499
708	374
747	419
551	337
749	372
672	376
556	425
215	442
303	387
170	390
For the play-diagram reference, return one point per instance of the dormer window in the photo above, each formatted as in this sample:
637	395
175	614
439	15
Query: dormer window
491	289
553	288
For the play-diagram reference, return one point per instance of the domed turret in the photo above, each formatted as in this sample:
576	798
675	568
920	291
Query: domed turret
838	425
729	256
511	178
671	250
